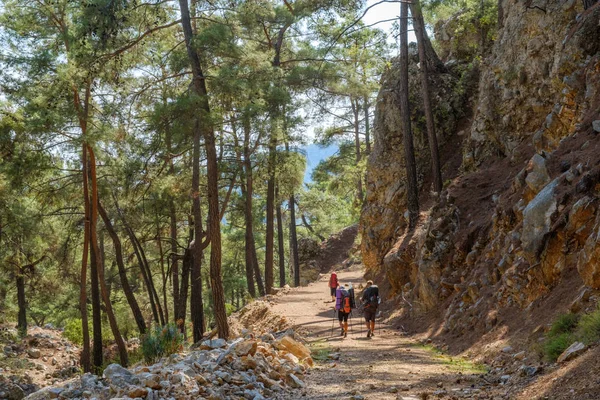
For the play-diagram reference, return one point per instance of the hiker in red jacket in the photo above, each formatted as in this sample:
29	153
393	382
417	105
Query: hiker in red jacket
333	284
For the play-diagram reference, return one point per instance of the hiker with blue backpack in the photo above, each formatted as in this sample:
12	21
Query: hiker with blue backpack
344	303
370	302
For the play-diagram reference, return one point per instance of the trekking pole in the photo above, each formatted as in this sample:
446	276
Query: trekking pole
332	322
351	332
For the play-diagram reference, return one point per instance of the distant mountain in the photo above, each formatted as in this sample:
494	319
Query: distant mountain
314	155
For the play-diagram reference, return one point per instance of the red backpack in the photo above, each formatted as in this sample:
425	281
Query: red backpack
333	282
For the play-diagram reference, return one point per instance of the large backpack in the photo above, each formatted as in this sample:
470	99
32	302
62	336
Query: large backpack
346	303
372	298
333	282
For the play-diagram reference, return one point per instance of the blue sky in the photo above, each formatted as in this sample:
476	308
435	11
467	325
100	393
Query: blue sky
314	154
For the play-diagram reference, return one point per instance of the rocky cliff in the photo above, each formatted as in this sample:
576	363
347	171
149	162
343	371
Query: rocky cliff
517	224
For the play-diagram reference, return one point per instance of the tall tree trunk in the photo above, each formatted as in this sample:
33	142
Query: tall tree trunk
280	245
247	245
357	145
269	237
251	257
186	267
146	266
197	305
147	278
85	352
434	64
97	355
100	269
294	241
172	224
22	304
436	171
409	153
214	219
293	235
164	276
133	304
367	125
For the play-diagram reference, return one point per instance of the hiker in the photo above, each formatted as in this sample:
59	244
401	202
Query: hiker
370	301
343	306
333	284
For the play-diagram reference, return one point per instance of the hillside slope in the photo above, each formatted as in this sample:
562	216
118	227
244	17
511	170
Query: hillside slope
512	240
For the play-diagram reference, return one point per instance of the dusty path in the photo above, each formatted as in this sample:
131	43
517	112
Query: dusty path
388	366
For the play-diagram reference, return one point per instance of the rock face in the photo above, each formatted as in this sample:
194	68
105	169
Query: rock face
519	213
242	368
382	215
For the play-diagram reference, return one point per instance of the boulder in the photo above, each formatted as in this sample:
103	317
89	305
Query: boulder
246	347
213	344
571	352
119	376
34	353
537	218
291	345
537	174
295	382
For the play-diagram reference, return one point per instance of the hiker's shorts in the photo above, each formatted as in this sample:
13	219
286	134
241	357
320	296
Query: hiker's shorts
332	291
369	315
342	316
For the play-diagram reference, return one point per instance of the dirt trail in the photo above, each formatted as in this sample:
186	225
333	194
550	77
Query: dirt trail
388	366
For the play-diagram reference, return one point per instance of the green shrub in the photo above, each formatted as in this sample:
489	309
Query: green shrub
161	342
560	336
555	345
73	331
565	323
588	328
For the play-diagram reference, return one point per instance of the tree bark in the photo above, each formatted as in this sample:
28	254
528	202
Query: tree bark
431	135
214	220
357	147
164	272
146	266
85	352
97	355
183	292
251	257
196	301
146	277
133	304
123	357
270	228
434	64
280	244
367	126
22	304
409	153
294	241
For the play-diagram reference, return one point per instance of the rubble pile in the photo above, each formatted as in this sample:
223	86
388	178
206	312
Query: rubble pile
43	357
254	368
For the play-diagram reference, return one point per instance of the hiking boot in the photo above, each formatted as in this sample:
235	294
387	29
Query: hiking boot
345	333
342	334
372	333
369	333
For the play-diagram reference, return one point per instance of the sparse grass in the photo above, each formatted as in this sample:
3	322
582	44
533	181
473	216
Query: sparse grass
565	323
456	364
588	328
569	328
320	350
